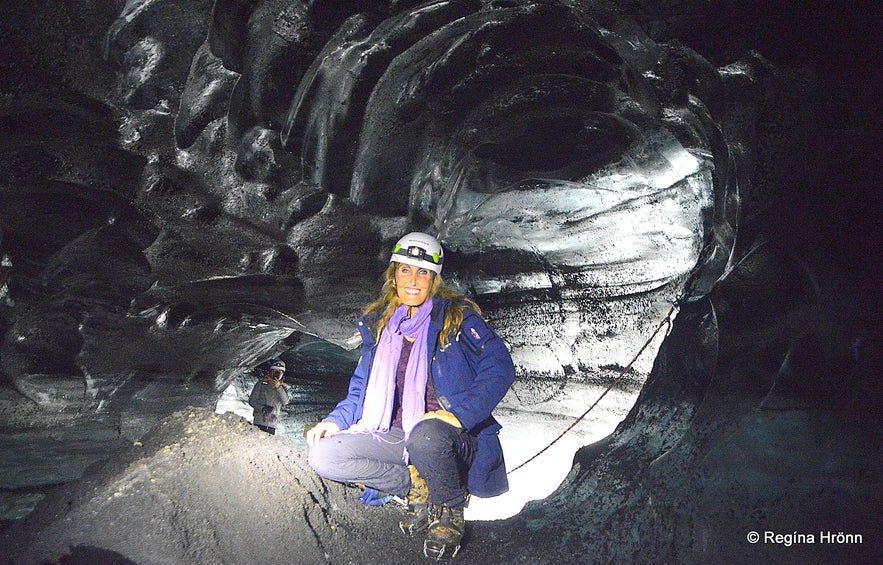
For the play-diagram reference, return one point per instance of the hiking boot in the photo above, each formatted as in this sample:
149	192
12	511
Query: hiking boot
446	528
416	519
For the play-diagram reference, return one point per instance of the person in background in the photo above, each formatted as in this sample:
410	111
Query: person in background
268	396
416	422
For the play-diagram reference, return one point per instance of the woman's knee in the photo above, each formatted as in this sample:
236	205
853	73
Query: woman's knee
322	457
430	437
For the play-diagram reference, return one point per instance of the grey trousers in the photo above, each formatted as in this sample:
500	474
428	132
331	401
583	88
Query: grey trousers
440	452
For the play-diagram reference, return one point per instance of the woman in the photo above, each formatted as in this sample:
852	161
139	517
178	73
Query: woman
417	421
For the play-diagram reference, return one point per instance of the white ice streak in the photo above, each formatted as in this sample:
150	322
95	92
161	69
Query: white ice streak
643	211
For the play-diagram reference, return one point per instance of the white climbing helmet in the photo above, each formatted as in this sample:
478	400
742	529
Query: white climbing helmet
420	250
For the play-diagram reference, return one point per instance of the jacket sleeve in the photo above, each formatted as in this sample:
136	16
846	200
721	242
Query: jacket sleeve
282	395
493	369
253	397
349	410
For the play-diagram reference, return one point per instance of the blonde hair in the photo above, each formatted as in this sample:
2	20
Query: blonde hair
389	301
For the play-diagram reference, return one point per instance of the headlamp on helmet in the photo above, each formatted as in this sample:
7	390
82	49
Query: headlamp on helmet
420	250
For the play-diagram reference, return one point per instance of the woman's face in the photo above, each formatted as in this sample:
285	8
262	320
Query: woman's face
412	284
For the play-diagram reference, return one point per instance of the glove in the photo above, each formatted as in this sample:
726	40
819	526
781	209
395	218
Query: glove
444	416
373	497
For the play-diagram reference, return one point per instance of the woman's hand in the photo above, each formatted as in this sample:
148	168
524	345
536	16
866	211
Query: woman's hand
320	430
444	416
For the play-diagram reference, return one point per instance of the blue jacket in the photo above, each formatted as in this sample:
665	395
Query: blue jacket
470	377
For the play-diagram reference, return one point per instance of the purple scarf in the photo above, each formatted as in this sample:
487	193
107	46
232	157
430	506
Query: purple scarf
380	392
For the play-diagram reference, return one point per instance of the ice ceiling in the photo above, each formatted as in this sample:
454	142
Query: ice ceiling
574	189
216	183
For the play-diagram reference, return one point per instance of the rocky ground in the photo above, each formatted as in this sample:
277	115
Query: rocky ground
209	488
